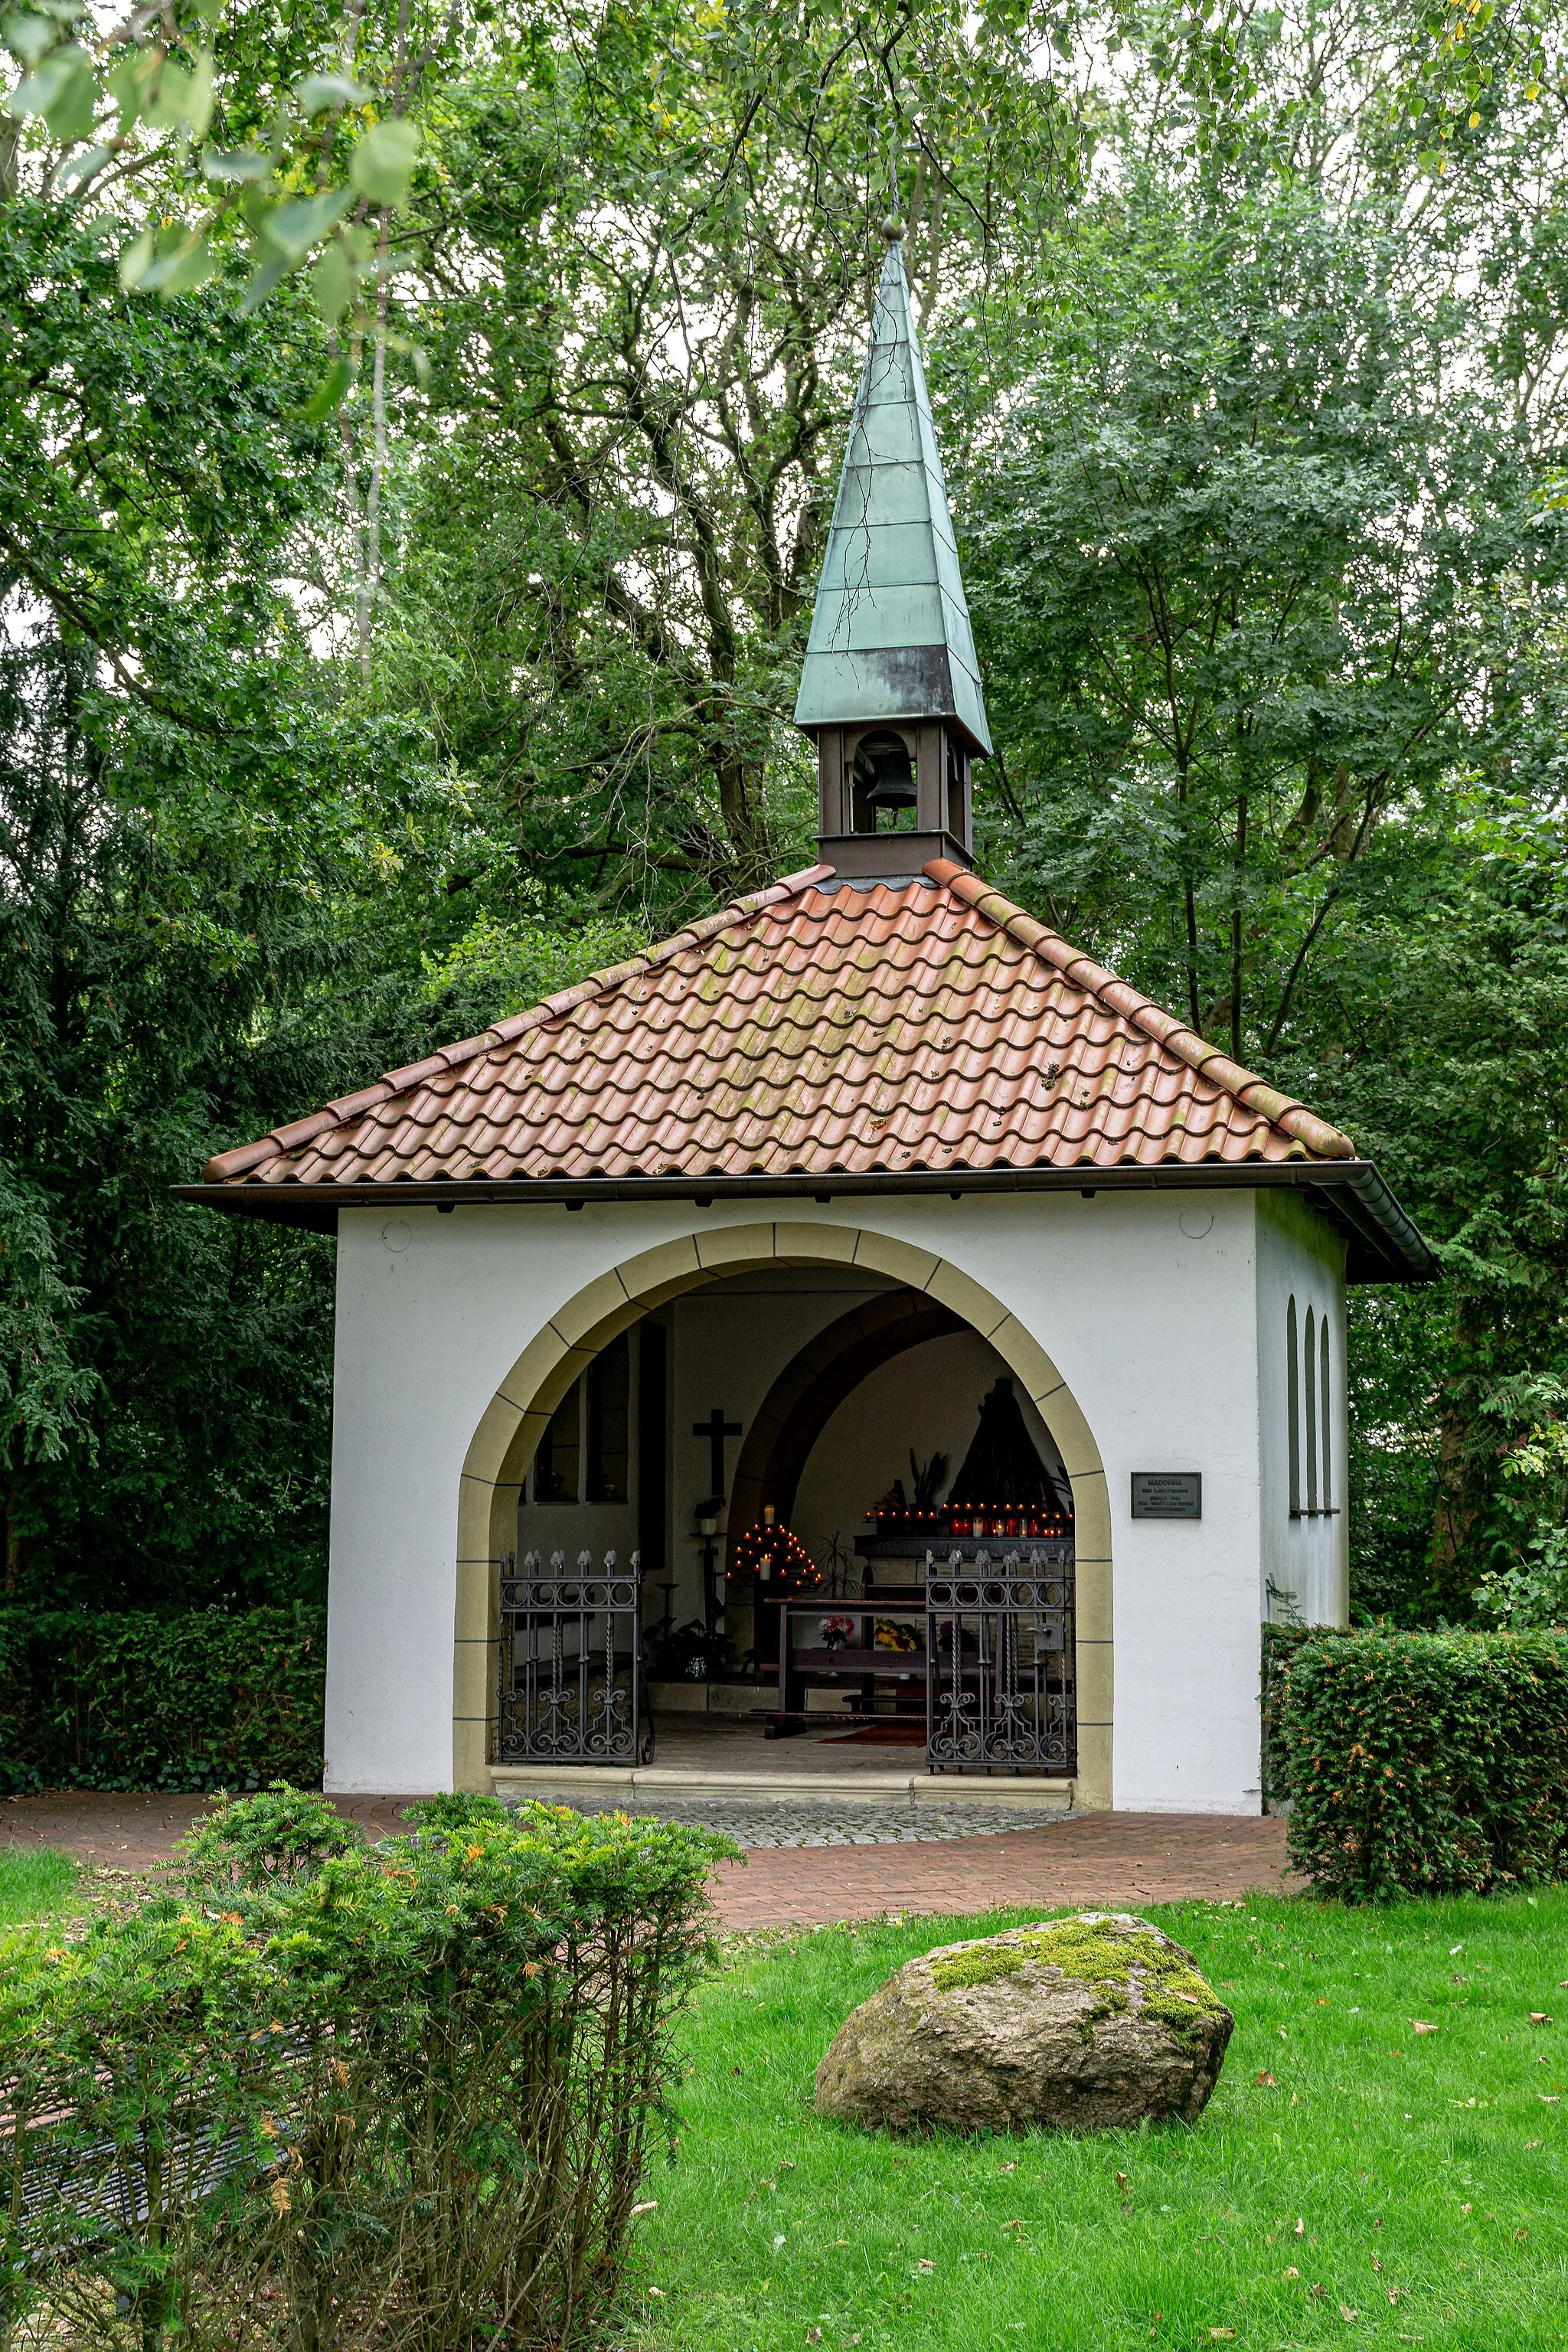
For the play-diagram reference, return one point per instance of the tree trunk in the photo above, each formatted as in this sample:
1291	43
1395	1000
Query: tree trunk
744	815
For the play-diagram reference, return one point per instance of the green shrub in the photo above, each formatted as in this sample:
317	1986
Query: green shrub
1427	1763
452	1812
137	2087
130	1700
1280	1644
407	2106
255	1845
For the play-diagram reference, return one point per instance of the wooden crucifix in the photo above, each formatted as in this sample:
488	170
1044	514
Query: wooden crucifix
716	1428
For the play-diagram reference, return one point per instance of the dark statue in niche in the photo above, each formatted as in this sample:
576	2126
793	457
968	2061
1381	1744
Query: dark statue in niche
1005	1493
1002	1465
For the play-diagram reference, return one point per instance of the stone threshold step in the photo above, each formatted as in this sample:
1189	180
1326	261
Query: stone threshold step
690	1783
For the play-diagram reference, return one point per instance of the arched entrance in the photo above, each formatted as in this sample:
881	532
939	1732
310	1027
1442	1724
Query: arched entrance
518	1414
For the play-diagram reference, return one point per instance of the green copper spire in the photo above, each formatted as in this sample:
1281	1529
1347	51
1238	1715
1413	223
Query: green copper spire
891	636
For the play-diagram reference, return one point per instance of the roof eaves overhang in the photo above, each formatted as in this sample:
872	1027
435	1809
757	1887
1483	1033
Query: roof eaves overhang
1385	1245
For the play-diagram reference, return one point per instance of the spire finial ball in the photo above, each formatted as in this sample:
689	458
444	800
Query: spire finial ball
893	229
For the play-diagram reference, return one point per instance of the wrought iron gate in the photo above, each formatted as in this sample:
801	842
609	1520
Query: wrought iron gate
1000	1693
571	1687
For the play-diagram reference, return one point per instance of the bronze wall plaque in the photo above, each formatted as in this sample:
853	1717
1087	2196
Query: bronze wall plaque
1167	1494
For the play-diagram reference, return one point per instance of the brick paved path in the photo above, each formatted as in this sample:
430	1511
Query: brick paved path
132	1833
1121	1858
1113	1858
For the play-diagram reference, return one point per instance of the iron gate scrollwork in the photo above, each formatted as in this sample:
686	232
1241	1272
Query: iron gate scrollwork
571	1688
1001	1691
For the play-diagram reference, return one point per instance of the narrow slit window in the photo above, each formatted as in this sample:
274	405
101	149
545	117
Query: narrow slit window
1324	1413
609	1384
555	1464
1310	1353
1293	1405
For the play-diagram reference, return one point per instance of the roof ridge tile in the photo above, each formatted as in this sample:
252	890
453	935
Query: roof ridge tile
1282	1110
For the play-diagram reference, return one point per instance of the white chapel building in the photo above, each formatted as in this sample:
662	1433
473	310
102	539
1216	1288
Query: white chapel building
947	1343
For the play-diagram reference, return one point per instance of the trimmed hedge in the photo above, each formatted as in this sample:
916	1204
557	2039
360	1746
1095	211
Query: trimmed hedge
396	2096
1426	1763
1280	1644
132	1700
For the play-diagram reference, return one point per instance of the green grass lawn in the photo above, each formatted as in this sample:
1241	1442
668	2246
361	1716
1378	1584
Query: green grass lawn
34	1880
1349	2178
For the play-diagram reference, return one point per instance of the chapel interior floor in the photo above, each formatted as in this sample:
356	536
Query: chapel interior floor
711	1743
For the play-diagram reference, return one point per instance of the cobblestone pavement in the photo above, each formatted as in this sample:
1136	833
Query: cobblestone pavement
845	1822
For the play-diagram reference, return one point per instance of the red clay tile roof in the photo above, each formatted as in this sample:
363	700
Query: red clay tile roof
811	1030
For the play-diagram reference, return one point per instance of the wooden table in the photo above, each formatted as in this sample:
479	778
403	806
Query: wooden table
862	1663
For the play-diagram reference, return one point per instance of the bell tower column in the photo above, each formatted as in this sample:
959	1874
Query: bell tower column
832	805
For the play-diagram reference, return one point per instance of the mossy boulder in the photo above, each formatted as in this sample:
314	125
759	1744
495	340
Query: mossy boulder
1091	2024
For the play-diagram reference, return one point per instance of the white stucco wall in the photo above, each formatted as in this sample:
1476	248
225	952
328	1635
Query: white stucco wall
1305	1560
1148	1304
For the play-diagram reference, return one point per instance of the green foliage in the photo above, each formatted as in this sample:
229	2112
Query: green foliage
1398	1346
132	2053
412	2100
45	1391
1280	1642
158	897
455	1813
1427	1762
604	582
256	1845
162	97
1268	494
223	891
1195	541
130	1700
496	969
1531	1590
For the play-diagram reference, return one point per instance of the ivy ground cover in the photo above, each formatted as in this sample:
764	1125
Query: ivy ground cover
1352	2179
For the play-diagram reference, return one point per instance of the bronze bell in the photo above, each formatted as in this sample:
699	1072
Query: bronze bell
883	760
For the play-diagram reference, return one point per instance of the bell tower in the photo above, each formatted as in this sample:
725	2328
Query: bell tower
890	689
